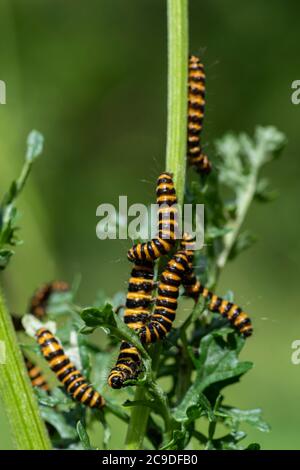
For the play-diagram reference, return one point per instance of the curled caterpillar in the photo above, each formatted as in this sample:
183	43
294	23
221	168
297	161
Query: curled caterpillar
136	315
193	288
196	105
36	376
164	312
39	300
73	381
167	223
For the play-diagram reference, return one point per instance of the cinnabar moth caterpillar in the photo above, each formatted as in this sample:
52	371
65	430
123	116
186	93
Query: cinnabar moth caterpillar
193	288
136	315
164	312
73	381
39	300
36	376
196	105
167	223
35	372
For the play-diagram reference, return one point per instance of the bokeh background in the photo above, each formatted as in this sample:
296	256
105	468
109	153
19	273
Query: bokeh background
92	78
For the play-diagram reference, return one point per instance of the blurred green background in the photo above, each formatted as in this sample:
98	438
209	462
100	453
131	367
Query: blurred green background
92	78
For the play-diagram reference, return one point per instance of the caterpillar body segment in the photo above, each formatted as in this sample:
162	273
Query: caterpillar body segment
36	376
193	288
167	224
39	301
66	372
196	107
164	312
136	315
127	366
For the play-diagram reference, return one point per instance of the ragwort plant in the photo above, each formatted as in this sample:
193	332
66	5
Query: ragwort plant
184	378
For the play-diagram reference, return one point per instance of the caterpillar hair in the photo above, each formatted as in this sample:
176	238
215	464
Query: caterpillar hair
73	381
36	376
167	223
136	315
196	105
193	288
39	300
164	312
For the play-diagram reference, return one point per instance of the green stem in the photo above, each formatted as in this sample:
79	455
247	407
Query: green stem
177	11
244	202
26	427
139	414
177	92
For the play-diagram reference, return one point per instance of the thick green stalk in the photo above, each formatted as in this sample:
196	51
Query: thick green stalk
26	427
177	92
175	163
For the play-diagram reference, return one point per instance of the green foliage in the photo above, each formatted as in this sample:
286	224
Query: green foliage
197	360
8	211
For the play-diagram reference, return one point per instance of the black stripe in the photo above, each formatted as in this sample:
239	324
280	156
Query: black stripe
167	293
134	303
64	374
166	304
59	366
137	317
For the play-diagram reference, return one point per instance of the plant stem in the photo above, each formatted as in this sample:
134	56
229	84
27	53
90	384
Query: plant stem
244	201
139	415
26	427
177	92
177	11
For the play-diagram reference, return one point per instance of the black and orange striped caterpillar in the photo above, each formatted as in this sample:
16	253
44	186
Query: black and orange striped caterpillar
163	316
196	106
73	381
136	315
193	288
35	373
36	376
167	224
39	301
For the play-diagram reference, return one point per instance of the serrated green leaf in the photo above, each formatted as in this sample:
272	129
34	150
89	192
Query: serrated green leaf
83	436
192	407
216	365
228	442
94	316
5	256
244	241
216	232
35	142
263	193
58	421
253	446
179	440
234	417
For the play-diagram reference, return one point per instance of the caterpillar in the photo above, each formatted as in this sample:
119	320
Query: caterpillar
36	376
39	300
167	223
196	105
136	315
35	372
165	308
73	381
193	288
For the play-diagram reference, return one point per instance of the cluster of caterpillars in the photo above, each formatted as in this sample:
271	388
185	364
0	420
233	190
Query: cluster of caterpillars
152	323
